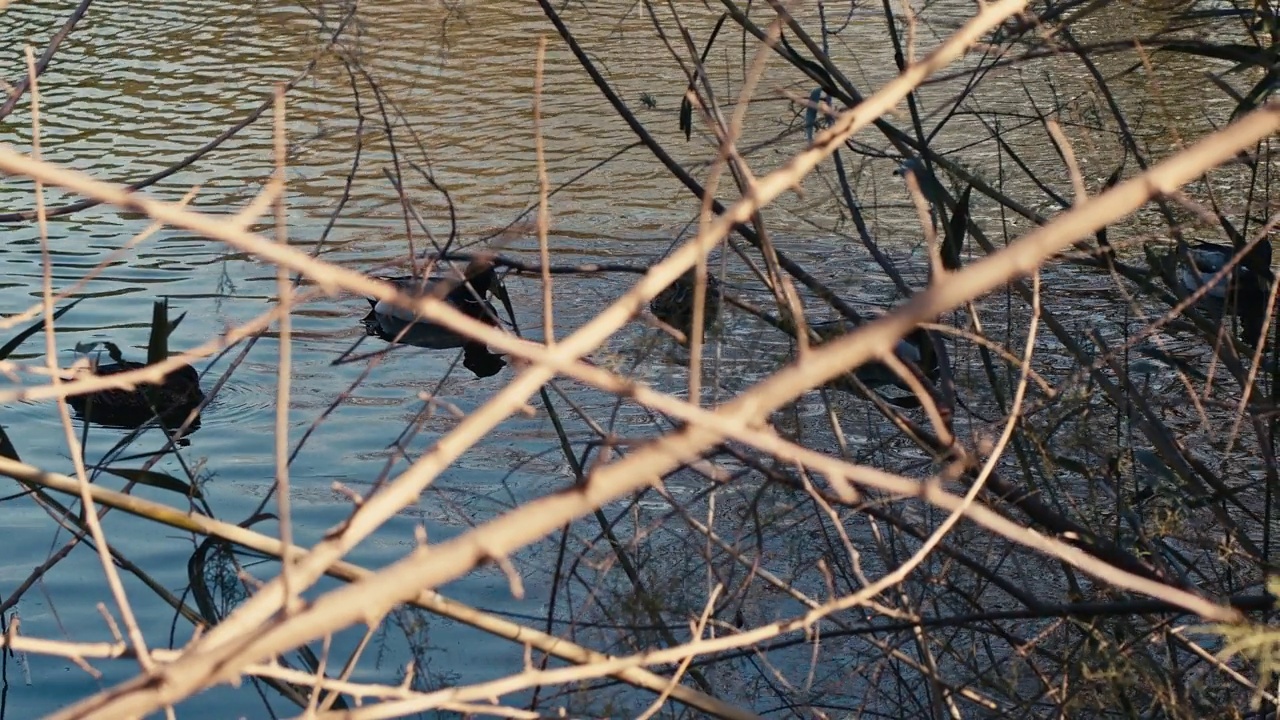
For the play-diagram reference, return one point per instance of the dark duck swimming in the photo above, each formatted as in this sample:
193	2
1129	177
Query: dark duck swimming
467	294
171	400
1242	292
915	349
674	305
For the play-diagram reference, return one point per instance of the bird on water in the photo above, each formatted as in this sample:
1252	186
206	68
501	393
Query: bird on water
467	294
1243	292
674	305
171	400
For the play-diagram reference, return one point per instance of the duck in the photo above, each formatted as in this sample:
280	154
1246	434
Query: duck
172	400
914	349
674	305
1242	292
470	297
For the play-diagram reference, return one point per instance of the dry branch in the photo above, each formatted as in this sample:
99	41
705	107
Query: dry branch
434	565
427	600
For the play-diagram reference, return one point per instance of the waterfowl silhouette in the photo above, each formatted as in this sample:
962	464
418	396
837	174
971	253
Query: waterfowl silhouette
674	305
1242	292
916	348
469	296
172	400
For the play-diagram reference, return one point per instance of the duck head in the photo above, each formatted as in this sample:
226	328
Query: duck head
481	275
927	361
1252	298
1258	259
185	374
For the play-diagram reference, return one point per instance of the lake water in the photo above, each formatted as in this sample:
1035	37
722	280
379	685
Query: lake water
137	87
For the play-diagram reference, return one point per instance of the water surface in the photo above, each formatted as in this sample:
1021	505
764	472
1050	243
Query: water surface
137	88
